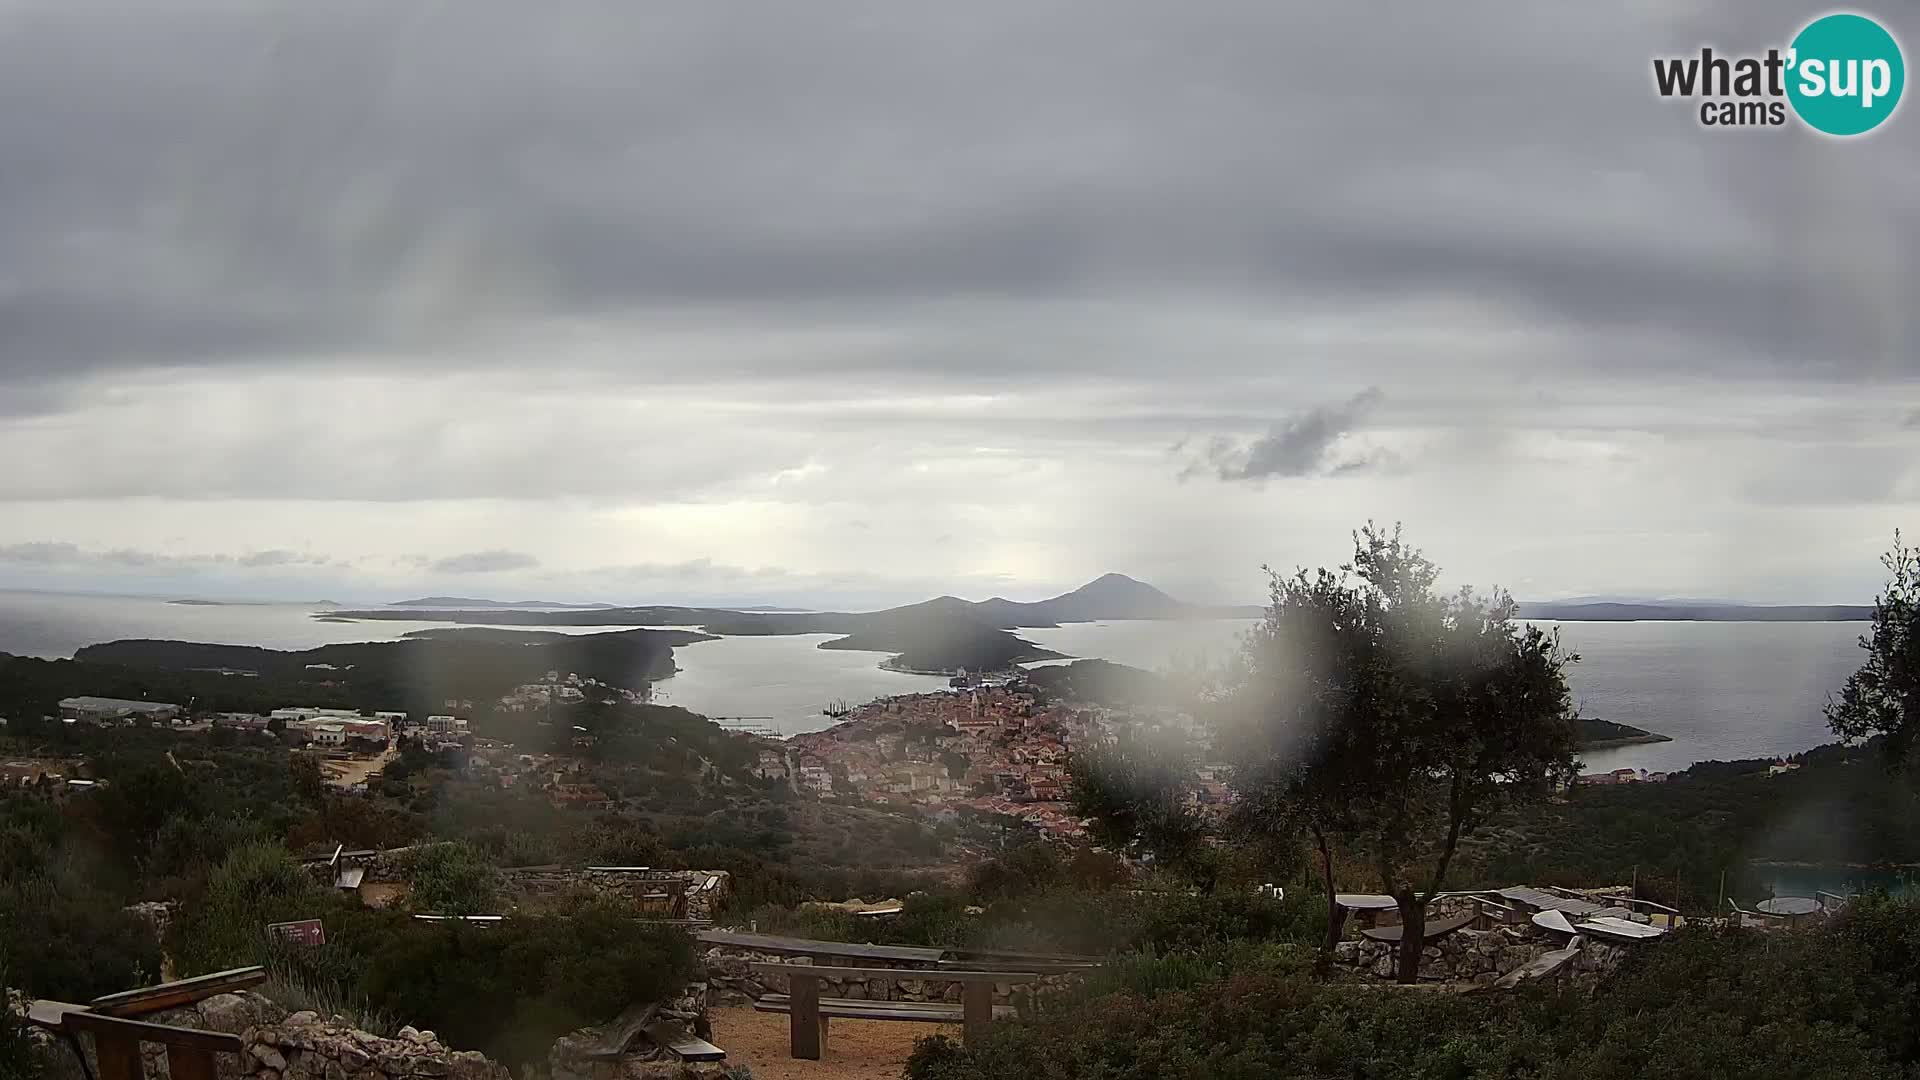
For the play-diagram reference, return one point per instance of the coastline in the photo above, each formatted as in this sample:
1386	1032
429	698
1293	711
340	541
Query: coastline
893	664
1645	739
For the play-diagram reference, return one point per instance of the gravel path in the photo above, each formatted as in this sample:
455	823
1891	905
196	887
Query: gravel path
856	1049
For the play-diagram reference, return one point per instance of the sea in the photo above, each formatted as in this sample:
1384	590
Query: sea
1720	691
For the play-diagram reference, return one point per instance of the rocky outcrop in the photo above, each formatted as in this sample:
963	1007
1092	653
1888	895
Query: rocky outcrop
625	1049
303	1046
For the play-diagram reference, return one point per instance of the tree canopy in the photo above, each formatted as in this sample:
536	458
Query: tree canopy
1392	720
1133	793
1883	697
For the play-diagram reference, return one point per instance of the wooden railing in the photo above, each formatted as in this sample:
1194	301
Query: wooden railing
117	1036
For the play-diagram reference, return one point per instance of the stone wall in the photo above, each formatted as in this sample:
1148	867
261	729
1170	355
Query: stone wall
393	865
531	881
731	980
1479	957
302	1046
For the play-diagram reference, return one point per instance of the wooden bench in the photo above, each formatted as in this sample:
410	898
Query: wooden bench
117	1037
809	1012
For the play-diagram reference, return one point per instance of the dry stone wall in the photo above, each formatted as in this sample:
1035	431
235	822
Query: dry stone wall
393	866
304	1046
702	903
1479	957
731	980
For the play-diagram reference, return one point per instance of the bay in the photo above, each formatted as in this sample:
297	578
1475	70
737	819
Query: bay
1719	690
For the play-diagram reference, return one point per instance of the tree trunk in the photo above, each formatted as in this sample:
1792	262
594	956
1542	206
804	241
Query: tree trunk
1336	915
1413	930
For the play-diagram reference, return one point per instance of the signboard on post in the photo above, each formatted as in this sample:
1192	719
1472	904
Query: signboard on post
303	932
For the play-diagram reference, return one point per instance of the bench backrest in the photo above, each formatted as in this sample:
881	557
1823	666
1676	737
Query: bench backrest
935	975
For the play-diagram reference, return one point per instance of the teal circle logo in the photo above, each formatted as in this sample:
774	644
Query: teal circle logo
1845	74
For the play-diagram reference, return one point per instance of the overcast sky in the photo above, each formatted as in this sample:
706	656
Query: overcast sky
857	303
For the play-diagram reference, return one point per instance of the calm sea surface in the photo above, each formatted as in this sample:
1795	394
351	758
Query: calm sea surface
1721	690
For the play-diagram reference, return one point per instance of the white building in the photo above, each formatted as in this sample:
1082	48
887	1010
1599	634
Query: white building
102	710
306	712
328	734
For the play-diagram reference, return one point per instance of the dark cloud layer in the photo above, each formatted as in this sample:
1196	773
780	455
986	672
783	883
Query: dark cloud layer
219	184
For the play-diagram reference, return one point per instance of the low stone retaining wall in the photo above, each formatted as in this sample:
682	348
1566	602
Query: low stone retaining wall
303	1046
702	903
732	981
394	866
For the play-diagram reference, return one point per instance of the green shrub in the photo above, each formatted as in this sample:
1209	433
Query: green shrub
226	926
453	879
511	989
1828	1003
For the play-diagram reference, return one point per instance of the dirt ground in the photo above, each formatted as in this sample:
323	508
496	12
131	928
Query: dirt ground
345	774
856	1049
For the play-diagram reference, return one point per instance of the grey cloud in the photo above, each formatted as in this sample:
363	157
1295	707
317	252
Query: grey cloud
294	183
276	557
64	554
1297	446
484	562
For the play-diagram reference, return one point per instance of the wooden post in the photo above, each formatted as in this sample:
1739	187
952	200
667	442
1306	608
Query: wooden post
118	1055
188	1063
977	1008
807	1029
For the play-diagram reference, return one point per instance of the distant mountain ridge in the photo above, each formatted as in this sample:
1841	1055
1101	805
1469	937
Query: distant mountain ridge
1109	596
1608	611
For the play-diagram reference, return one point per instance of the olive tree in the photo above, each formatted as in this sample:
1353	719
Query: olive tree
1390	721
1133	792
1883	697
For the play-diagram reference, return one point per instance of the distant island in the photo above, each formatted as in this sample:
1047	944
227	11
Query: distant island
934	636
222	603
417	673
472	602
1605	734
948	633
1109	597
